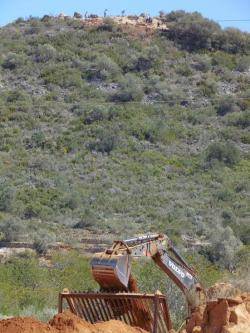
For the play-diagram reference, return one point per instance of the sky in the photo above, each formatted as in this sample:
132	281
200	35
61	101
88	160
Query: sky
218	10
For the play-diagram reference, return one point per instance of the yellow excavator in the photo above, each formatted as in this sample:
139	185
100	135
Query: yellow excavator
119	297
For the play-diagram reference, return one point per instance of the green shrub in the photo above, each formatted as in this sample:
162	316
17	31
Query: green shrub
171	94
224	195
242	231
234	41
45	53
245	138
13	61
107	25
19	96
38	139
202	63
42	242
227	105
225	153
131	90
243	64
208	87
228	217
6	196
106	140
103	68
241	119
88	220
192	31
224	60
184	70
11	228
223	248
62	76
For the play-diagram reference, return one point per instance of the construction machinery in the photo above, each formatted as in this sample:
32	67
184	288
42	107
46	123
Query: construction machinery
112	268
119	297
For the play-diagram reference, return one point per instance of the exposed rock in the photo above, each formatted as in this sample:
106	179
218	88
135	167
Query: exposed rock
195	320
222	315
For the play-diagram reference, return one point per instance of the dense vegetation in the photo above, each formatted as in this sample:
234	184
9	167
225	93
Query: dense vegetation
120	131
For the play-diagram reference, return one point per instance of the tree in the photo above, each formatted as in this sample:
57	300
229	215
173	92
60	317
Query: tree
224	246
191	31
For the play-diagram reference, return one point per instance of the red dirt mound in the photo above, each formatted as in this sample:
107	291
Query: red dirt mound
116	326
24	325
67	322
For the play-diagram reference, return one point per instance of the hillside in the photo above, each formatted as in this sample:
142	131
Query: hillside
115	130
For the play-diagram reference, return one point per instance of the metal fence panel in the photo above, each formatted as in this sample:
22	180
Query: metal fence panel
148	311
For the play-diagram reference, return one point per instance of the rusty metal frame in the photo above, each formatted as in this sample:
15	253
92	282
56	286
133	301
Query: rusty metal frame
148	311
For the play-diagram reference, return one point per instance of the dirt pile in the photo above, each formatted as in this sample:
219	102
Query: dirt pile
24	325
65	322
222	315
116	326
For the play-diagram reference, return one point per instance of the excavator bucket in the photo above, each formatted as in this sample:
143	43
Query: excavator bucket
111	271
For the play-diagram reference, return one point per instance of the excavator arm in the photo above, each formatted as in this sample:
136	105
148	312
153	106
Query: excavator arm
112	268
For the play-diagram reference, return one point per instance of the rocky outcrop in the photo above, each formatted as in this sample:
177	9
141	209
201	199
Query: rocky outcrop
221	315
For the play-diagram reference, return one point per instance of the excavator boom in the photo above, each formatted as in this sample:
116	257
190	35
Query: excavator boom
112	268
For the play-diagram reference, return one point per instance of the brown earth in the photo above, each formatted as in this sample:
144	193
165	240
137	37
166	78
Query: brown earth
24	325
65	322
